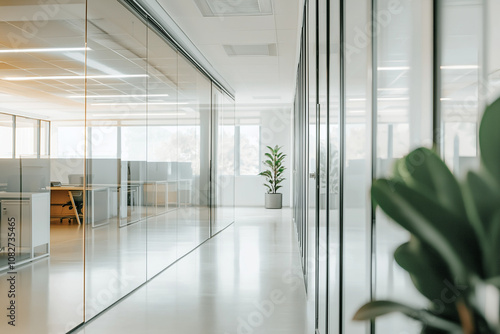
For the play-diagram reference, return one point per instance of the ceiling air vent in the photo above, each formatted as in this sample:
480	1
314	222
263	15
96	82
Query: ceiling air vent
267	98
235	7
251	50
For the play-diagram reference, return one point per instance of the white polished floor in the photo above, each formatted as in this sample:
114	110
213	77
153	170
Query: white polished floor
247	279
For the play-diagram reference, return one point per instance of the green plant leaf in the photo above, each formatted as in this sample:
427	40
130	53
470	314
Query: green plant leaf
424	168
455	228
494	251
379	308
484	197
489	137
405	214
428	272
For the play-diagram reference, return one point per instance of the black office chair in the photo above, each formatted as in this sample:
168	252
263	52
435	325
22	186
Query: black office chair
78	199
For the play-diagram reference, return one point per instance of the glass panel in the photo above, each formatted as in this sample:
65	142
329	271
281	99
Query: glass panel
461	28
310	163
161	189
49	279
193	99
26	137
224	164
404	122
357	175
334	169
6	132
116	99
491	30
324	165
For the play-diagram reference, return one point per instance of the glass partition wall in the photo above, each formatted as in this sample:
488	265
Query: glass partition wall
109	135
42	65
397	75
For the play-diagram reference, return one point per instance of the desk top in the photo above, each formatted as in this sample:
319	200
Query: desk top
77	188
17	195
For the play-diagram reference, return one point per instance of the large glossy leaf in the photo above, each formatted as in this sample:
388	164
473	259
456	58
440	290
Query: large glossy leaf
379	308
426	170
494	251
489	139
405	214
485	198
427	269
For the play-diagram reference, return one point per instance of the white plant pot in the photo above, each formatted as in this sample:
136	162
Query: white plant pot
274	201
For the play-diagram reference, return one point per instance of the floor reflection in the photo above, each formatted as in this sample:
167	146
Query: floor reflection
245	279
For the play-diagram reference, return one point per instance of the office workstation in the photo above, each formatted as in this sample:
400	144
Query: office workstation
39	191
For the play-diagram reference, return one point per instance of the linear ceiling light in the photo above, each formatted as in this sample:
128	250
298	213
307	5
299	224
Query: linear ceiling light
138	103
381	99
394	68
117	96
459	67
43	50
73	77
138	115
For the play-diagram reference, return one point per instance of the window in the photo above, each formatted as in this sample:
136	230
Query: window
6	126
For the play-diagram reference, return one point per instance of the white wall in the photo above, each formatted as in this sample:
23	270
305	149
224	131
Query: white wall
275	130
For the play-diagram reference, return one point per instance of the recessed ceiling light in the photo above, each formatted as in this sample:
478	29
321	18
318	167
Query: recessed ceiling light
73	77
210	8
267	98
43	50
117	96
251	50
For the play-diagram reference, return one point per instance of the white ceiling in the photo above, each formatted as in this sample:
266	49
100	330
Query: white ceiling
257	80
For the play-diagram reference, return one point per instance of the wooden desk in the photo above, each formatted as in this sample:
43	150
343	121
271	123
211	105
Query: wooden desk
61	195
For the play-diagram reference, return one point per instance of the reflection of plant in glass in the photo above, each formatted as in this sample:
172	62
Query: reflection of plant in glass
249	149
334	169
274	174
453	253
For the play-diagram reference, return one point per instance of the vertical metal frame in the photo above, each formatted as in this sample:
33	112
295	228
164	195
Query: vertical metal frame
437	131
327	227
374	128
317	169
342	160
306	141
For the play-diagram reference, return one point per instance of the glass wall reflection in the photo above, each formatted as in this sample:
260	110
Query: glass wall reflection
461	31
42	63
404	122
223	161
109	139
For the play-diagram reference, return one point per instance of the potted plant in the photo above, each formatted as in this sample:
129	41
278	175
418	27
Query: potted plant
455	236
274	176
